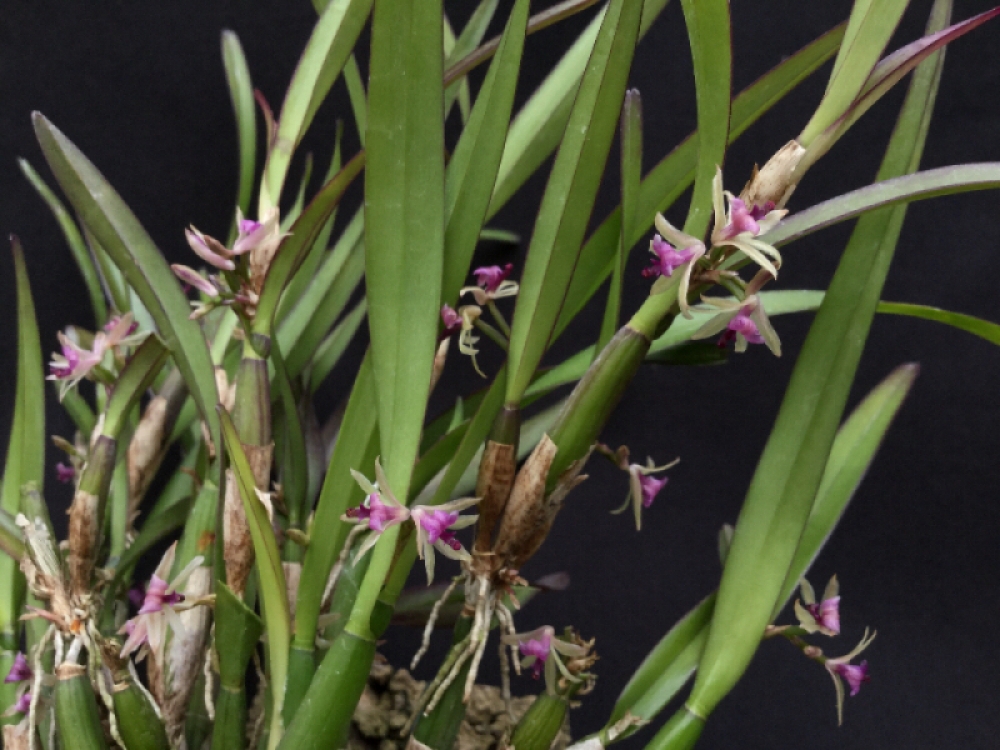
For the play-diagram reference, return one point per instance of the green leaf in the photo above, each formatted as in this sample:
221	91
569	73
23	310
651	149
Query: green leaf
26	447
871	24
296	245
306	272
667	668
672	176
539	126
472	170
357	95
327	311
300	318
132	383
472	34
357	450
126	242
570	193
273	595
883	77
930	183
77	247
631	176
329	352
858	440
294	466
711	52
11	539
241	95
784	487
332	40
404	226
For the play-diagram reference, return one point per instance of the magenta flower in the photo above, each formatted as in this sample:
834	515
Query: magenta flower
537	649
855	675
743	321
492	283
436	527
668	258
75	362
23	703
64	473
823	616
20	670
159	609
259	238
543	653
742	225
643	487
380	510
491	277
451	319
741	325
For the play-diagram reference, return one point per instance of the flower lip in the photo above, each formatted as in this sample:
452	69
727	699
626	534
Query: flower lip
491	277
20	670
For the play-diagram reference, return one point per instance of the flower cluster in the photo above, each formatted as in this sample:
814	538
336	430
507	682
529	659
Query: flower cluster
492	284
435	525
738	227
239	284
544	653
75	361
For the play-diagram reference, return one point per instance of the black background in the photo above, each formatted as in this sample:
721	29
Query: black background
139	88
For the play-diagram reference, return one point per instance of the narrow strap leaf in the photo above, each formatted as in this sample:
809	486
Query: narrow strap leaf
130	247
241	96
570	194
712	54
404	227
273	595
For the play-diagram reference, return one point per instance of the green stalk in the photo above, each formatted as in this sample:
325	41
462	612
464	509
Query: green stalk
77	718
140	727
198	726
541	723
596	395
237	631
324	717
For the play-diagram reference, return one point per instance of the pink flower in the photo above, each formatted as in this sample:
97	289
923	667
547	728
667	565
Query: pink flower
158	610
491	277
209	250
537	649
743	321
20	671
668	258
643	487
742	225
380	510
23	704
451	319
823	616
64	473
436	527
741	324
651	487
75	362
543	653
194	279
854	674
493	284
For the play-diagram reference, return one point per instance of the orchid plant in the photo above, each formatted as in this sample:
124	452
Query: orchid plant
285	564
